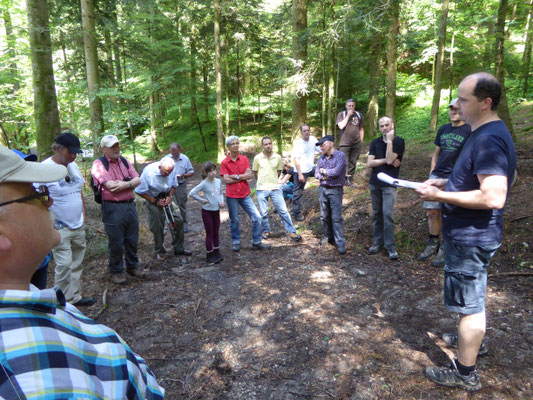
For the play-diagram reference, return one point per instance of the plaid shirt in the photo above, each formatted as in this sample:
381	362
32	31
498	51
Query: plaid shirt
49	349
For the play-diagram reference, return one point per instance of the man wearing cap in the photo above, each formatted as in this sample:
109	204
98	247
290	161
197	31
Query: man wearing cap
473	201
157	187
69	216
384	155
49	349
118	178
352	132
330	171
182	170
304	152
448	144
267	168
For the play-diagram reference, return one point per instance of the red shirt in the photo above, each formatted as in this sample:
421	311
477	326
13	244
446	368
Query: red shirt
117	172
239	189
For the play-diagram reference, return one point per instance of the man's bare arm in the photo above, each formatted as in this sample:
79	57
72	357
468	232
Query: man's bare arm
434	159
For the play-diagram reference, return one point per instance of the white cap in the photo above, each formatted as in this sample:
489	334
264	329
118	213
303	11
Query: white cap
108	141
14	169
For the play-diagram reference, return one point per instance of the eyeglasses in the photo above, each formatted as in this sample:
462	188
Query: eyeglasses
42	194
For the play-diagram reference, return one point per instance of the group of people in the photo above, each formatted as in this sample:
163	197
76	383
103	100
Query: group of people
48	346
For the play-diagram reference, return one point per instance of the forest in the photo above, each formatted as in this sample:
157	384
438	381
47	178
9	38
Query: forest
155	71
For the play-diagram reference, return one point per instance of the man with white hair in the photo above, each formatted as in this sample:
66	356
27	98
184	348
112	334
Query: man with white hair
158	183
117	178
48	348
235	171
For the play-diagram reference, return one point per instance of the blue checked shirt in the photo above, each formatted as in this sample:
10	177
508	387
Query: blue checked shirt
50	350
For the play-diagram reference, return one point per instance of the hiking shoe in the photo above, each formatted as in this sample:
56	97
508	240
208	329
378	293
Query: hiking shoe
299	218
439	260
431	249
119	278
217	256
210	258
450	376
236	247
261	246
295	237
393	254
136	273
341	249
84	302
452	340
265	235
376	248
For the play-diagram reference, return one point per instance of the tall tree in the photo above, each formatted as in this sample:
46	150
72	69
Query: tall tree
91	66
526	56
439	61
299	54
10	38
218	78
372	112
503	108
47	123
392	58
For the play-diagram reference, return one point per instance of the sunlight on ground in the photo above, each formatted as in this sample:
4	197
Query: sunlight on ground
322	276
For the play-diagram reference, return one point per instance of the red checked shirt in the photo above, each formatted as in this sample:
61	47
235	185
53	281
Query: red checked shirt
117	172
240	189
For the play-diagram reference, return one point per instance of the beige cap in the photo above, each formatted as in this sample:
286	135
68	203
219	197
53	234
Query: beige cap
108	141
14	169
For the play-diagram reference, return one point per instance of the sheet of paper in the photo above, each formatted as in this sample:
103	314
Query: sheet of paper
397	182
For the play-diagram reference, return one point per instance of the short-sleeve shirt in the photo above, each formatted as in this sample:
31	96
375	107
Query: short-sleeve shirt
66	193
117	172
240	189
267	171
378	149
153	183
450	140
350	134
488	151
305	152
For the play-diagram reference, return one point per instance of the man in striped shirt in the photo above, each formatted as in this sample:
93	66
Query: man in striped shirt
49	349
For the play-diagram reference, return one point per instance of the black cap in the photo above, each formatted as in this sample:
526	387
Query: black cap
70	141
327	138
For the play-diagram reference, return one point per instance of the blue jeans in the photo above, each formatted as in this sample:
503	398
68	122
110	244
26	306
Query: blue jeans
330	202
383	199
248	206
281	207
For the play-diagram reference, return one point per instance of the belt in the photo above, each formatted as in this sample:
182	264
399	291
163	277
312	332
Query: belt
118	201
331	187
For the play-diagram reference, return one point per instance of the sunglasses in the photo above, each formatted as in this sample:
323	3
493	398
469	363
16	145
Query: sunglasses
41	193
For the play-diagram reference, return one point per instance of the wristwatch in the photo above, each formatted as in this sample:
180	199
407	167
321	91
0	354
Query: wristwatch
237	177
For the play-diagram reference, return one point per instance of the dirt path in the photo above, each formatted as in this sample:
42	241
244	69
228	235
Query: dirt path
300	321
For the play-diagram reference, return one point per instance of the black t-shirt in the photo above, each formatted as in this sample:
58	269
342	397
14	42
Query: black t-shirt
289	171
378	149
488	151
450	139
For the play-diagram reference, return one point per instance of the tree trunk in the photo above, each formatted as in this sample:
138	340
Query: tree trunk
227	86
11	40
47	123
489	54
205	87
371	125
392	57
526	57
237	43
192	82
109	63
91	64
154	118
331	130
503	108
299	54
218	78
452	44
439	61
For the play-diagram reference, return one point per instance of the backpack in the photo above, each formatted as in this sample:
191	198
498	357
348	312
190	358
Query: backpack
96	186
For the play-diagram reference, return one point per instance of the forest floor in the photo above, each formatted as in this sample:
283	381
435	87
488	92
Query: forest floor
300	321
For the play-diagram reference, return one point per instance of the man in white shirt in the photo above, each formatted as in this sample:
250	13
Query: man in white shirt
304	153
68	210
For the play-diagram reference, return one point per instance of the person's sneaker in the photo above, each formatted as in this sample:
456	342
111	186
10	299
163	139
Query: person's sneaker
376	248
452	340
265	235
119	278
184	253
260	246
450	376
341	249
84	302
299	218
217	256
295	237
136	272
210	258
236	247
431	249
393	254
439	259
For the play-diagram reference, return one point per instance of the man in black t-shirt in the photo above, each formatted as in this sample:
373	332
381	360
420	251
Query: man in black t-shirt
384	155
472	222
448	144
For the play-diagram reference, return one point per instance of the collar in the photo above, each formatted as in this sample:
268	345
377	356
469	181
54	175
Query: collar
46	300
231	159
